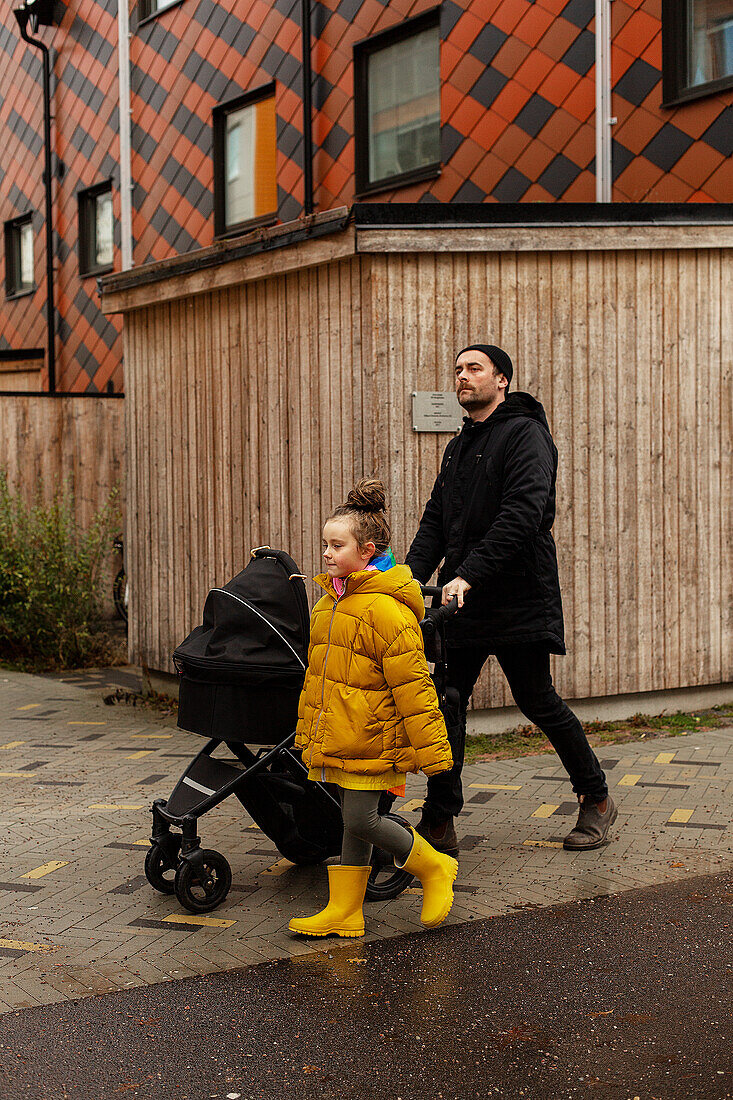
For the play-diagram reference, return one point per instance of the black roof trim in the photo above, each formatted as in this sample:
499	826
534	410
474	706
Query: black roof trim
56	396
21	354
403	215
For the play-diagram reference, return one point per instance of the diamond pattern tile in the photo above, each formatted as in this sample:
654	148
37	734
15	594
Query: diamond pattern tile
517	112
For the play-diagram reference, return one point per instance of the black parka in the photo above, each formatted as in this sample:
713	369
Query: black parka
489	520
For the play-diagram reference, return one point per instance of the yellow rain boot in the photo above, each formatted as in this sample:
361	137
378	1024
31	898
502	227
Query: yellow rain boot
343	916
436	873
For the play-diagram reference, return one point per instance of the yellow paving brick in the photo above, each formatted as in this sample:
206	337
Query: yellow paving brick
664	757
86	723
17	775
140	754
205	922
547	809
115	806
29	706
413	804
142	843
12	744
278	868
496	786
23	945
629	780
153	736
543	843
680	816
46	868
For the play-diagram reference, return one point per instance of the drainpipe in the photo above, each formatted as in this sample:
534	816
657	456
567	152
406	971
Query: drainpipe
22	15
123	58
305	23
604	121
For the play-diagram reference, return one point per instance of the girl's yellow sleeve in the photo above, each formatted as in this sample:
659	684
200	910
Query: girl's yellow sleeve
408	676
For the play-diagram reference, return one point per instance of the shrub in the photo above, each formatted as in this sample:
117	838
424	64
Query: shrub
51	575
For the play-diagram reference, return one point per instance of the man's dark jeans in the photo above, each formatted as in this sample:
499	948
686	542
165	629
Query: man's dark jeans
527	669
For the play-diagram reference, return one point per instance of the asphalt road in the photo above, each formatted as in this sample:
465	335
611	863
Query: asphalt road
626	997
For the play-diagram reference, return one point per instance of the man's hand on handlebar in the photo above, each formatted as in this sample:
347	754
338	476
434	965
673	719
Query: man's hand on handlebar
456	588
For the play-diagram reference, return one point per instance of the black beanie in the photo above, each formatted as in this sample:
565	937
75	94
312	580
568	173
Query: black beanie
499	358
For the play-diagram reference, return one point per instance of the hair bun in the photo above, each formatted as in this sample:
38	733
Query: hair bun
368	495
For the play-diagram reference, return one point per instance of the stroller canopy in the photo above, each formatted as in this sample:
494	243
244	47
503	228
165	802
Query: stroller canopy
255	627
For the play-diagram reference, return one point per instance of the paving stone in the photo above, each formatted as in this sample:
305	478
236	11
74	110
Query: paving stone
82	912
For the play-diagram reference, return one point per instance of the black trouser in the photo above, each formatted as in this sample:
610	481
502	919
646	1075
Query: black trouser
527	669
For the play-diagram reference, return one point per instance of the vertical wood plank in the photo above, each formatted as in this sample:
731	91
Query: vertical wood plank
611	468
630	473
689	447
724	511
671	391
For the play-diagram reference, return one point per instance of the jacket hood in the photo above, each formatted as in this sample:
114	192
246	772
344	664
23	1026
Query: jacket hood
397	582
521	404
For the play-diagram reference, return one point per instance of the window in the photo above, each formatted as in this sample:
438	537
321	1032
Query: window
149	8
397	104
245	162
19	260
96	229
698	48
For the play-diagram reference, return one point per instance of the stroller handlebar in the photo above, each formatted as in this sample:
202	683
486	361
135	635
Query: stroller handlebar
438	614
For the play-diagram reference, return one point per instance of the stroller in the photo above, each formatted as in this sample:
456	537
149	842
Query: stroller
241	674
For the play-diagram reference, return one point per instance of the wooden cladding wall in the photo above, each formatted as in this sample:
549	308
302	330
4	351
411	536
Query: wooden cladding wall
252	409
64	439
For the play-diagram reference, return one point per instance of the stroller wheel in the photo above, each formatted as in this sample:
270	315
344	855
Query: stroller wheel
385	880
200	893
159	870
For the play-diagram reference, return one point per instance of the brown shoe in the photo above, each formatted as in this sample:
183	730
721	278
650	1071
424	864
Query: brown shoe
442	835
592	826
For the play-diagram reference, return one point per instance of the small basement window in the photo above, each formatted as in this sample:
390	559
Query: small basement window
96	229
397	104
245	162
19	259
697	48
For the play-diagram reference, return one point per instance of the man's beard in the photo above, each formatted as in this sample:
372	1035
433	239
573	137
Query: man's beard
470	399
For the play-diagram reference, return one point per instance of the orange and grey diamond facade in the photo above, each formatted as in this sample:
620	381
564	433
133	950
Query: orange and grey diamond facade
517	126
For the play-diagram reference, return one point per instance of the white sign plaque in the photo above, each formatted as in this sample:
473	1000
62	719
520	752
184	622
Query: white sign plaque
433	411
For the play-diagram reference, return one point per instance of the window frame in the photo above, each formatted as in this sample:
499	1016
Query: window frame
675	89
13	258
218	129
147	13
86	197
363	50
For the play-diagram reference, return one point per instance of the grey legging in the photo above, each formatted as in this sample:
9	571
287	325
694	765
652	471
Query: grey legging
363	828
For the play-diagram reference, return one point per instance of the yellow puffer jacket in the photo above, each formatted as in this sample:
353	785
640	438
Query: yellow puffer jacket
368	703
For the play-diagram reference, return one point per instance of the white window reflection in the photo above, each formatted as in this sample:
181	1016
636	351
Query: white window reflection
25	249
710	38
104	230
239	197
404	106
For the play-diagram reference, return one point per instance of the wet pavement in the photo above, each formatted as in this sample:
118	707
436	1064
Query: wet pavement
627	997
78	918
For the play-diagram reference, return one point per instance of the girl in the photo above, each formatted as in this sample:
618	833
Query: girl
368	713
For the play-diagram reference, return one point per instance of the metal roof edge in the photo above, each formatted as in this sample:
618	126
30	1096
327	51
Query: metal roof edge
430	215
225	251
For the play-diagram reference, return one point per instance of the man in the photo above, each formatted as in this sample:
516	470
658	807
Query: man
489	521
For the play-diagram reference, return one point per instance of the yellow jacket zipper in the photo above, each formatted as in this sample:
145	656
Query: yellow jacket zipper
323	678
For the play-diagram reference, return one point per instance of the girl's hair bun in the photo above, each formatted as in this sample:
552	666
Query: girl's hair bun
368	495
365	509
